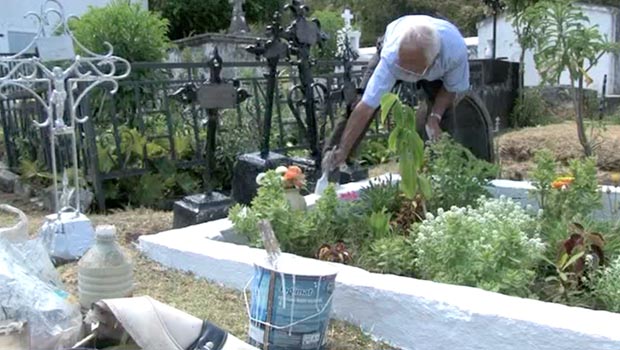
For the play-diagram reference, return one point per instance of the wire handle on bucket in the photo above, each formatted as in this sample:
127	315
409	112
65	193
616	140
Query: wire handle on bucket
247	308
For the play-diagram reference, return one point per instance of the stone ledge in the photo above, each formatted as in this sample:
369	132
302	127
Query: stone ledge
405	312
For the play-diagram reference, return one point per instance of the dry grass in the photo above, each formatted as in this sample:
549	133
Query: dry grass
517	149
184	291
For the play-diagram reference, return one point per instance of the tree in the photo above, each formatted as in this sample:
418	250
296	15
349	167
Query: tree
374	15
565	42
135	33
191	17
524	31
331	22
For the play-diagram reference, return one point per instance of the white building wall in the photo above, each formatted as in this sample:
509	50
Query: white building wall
507	46
12	15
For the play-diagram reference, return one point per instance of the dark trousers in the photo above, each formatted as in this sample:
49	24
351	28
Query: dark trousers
426	93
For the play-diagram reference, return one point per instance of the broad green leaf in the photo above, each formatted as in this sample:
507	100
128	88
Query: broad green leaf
393	139
418	147
563	260
387	101
425	186
574	258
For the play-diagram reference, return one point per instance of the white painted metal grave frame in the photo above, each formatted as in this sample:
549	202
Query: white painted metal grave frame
59	70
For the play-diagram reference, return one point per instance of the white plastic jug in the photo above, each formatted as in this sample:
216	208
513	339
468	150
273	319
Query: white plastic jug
104	272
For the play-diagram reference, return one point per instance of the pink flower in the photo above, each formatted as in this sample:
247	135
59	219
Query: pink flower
349	196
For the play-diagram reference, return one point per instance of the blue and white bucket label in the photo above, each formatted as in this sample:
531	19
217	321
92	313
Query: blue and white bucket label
300	313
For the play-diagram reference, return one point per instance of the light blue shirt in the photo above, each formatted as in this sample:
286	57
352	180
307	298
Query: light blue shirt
451	66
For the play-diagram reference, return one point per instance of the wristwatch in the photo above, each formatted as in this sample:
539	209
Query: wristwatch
436	115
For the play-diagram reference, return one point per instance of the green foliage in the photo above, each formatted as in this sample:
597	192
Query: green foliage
232	141
193	17
374	152
457	176
135	33
407	143
299	232
331	22
270	204
381	194
581	255
493	247
564	40
35	173
392	254
332	220
579	198
606	286
374	15
531	110
562	286
379	224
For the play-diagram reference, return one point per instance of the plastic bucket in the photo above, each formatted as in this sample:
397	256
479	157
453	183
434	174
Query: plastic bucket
290	308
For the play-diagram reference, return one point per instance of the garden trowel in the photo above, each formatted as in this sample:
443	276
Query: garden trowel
323	181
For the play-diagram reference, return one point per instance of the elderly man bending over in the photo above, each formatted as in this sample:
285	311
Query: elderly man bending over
426	50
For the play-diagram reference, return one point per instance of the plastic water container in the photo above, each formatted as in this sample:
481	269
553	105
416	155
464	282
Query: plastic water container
291	306
104	272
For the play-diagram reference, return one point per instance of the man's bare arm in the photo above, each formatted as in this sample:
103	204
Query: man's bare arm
443	101
360	116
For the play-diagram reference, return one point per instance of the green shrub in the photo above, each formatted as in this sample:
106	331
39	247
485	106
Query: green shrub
299	232
392	255
374	152
381	194
135	33
532	111
330	22
606	287
569	196
457	176
493	247
232	140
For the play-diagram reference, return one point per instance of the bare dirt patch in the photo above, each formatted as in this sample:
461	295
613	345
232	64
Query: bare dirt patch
517	149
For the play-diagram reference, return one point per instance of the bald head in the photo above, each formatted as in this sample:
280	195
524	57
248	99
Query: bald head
419	47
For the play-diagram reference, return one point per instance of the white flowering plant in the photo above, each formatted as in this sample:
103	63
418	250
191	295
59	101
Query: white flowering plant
607	286
495	246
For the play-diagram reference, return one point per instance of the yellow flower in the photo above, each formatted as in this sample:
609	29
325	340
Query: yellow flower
615	178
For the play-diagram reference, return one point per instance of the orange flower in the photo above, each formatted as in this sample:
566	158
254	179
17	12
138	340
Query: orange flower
290	175
295	169
562	182
558	184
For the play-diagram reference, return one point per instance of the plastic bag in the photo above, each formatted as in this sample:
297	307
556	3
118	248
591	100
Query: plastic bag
18	232
31	292
33	257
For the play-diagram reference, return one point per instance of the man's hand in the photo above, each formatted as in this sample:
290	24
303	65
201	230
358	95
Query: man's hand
333	159
360	117
433	130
